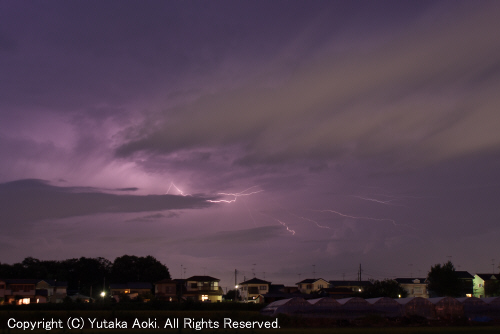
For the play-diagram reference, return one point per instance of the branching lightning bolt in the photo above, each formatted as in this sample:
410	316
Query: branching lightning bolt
180	191
235	195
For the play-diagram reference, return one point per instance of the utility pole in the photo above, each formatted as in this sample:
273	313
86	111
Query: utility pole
359	275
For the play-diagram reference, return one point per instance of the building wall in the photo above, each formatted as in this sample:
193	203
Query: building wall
252	291
478	287
311	287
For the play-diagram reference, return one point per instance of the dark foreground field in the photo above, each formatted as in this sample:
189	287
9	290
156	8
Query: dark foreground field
216	321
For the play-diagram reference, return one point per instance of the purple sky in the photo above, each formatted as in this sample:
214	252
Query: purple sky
360	132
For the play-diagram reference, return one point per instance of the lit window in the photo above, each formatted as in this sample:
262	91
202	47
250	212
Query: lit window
204	298
24	301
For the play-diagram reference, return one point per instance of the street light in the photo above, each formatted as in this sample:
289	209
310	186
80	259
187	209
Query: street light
102	295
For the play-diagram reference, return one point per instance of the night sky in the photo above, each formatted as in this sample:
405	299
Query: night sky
285	139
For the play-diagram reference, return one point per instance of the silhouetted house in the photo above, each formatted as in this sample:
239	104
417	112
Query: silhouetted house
292	306
130	289
415	287
447	307
166	290
354	307
203	289
483	284
21	291
291	289
473	307
467	283
385	306
77	297
312	285
56	291
354	286
417	306
251	289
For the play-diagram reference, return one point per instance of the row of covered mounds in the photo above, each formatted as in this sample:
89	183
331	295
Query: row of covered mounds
351	308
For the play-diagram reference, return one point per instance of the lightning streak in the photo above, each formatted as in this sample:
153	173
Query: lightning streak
312	221
235	195
279	221
288	229
180	191
388	202
356	217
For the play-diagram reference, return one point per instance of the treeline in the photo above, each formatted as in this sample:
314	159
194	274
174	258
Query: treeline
89	274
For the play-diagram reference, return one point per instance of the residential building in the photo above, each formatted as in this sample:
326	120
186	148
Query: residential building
251	289
467	282
482	284
166	290
56	291
415	287
21	291
203	288
312	285
131	289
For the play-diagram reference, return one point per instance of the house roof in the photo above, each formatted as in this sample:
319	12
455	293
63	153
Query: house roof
487	277
310	280
203	278
255	281
464	274
350	283
407	280
54	282
21	281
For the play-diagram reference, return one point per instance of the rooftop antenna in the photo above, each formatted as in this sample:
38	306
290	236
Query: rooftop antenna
253	269
314	271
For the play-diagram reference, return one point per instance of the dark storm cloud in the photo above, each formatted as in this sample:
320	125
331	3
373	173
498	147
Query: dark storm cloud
245	236
127	189
34	200
412	98
153	217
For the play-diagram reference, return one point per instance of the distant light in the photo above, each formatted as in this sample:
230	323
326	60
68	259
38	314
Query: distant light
399	296
236	286
359	290
103	294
